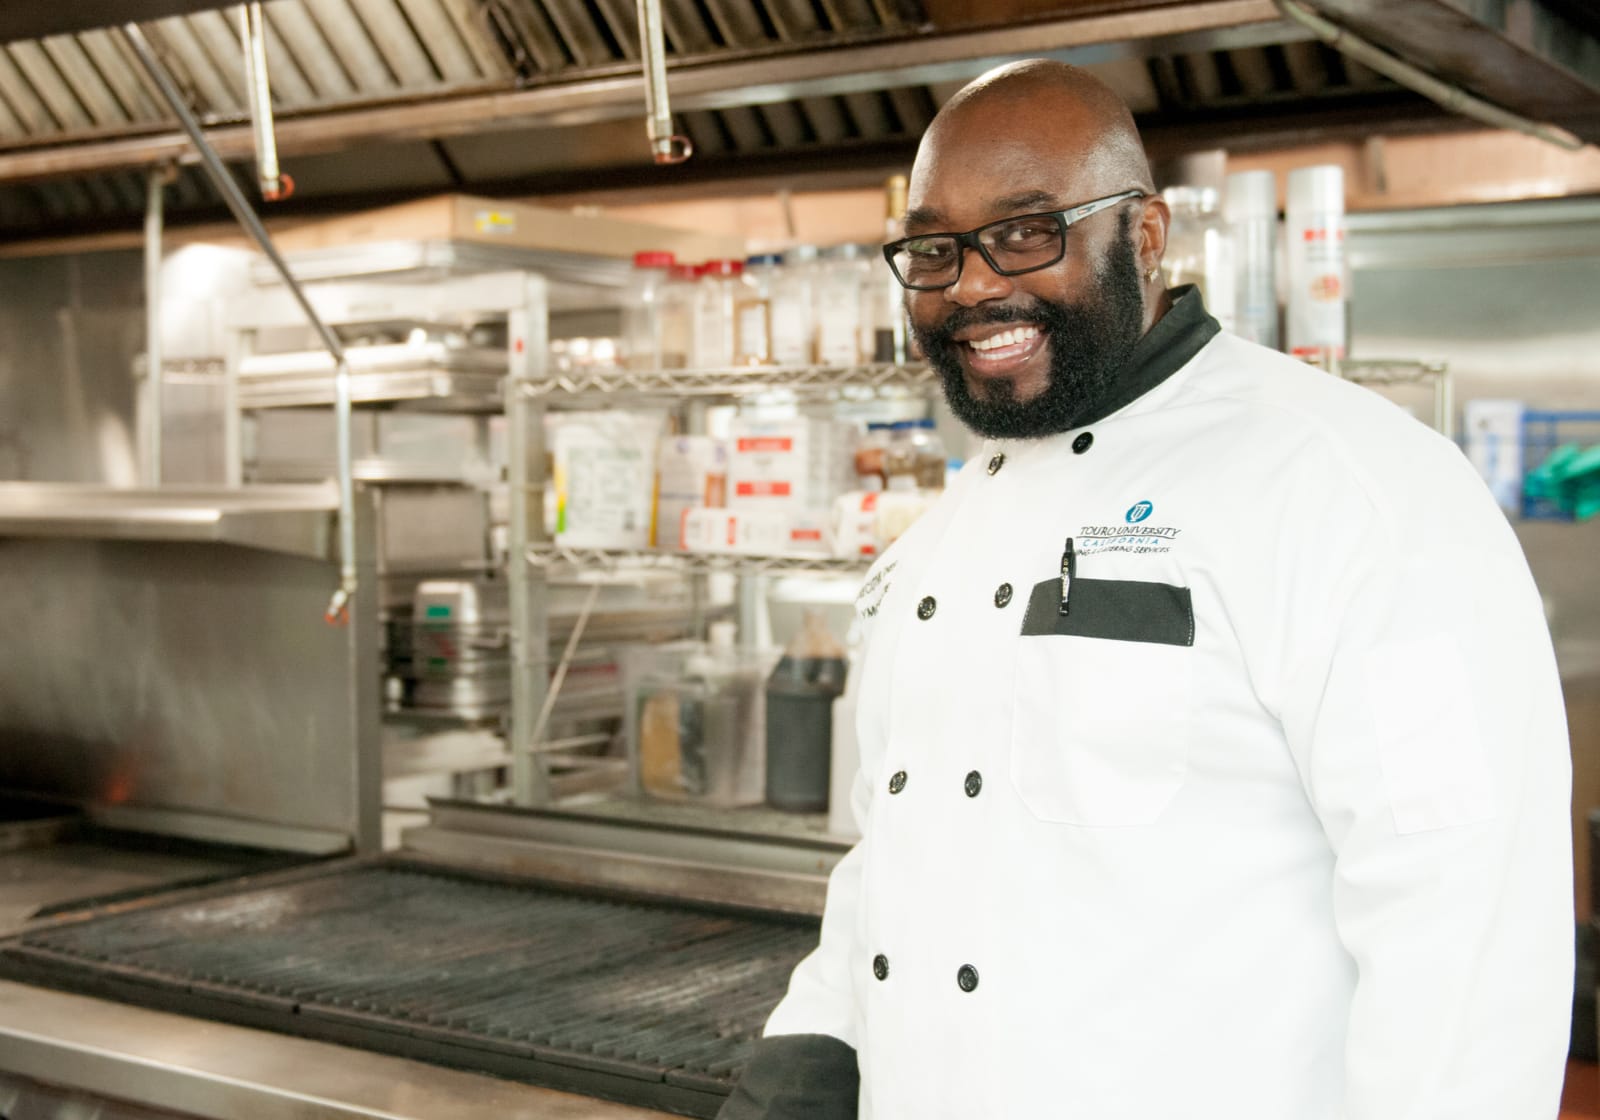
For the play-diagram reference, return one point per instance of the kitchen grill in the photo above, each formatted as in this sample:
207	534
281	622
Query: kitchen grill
655	1004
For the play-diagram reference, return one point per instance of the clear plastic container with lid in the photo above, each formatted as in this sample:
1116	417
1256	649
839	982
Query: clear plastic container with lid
915	457
870	475
641	310
1200	249
752	310
1251	208
675	316
794	308
721	284
841	300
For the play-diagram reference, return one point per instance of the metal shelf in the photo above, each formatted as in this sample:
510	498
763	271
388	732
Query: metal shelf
547	556
565	388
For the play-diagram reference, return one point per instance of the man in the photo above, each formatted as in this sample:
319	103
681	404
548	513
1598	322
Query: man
1213	754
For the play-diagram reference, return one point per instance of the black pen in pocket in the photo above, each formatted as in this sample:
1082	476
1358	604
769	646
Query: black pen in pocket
1069	565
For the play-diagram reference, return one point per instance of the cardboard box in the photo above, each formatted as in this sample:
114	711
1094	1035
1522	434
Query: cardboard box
790	466
691	472
460	217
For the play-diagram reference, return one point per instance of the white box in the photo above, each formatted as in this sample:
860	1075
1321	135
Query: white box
726	530
796	464
604	484
691	473
766	532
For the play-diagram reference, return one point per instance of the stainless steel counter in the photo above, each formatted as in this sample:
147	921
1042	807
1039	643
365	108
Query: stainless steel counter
294	519
196	1068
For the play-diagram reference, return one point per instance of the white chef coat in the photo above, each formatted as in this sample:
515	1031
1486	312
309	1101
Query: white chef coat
1313	866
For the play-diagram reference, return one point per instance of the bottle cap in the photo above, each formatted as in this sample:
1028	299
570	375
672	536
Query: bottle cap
1319	188
654	258
722	268
1251	194
764	260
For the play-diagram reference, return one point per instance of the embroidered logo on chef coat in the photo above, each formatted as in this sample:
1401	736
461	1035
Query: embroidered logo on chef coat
1135	534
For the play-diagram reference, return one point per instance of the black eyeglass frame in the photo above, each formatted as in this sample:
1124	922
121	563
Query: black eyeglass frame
1065	219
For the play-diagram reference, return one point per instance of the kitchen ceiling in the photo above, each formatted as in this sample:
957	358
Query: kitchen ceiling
379	100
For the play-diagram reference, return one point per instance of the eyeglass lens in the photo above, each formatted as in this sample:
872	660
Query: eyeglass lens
1011	246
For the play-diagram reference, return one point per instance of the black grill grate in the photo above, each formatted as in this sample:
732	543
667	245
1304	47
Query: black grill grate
651	1003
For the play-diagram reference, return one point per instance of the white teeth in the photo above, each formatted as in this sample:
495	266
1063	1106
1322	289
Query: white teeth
1005	338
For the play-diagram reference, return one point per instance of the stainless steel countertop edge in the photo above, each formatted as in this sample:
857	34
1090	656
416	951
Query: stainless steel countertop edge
213	1070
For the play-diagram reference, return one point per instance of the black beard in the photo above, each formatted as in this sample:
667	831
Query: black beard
1089	343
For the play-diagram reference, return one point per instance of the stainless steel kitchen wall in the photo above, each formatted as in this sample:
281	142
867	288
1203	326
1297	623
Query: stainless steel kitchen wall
1508	294
193	687
70	326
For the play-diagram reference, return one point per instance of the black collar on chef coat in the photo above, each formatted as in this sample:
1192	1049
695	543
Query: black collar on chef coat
1166	348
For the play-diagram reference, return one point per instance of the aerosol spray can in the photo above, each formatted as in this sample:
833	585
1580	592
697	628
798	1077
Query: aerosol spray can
1316	263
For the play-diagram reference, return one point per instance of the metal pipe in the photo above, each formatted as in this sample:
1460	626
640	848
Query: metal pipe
239	205
666	147
153	218
259	90
1454	98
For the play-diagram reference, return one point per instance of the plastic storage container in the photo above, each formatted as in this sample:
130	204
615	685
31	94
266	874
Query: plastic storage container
641	310
720	287
675	316
752	311
1200	249
695	722
914	458
870	449
1251	209
794	312
841	299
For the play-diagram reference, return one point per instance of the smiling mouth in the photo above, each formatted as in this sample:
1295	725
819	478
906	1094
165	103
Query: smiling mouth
1002	352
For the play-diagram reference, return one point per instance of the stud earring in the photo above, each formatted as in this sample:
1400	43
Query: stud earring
1152	274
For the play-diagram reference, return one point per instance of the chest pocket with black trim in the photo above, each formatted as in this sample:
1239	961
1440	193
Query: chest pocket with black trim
1123	610
1102	701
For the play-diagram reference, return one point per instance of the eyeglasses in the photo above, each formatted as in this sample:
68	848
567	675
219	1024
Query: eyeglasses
1011	246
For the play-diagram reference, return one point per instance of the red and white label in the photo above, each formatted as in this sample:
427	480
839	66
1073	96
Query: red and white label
760	444
764	489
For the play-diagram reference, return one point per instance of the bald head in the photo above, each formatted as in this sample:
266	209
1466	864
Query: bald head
1088	124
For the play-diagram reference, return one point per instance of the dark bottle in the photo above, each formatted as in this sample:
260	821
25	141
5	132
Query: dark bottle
800	696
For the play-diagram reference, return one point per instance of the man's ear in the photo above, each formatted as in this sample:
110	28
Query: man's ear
1151	240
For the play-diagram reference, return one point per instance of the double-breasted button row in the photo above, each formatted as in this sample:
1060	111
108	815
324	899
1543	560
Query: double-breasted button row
966	975
972	784
929	605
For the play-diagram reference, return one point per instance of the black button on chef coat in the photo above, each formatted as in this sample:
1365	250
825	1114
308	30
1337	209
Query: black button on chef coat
997	462
967	977
897	782
1002	595
880	967
973	784
1084	441
926	608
